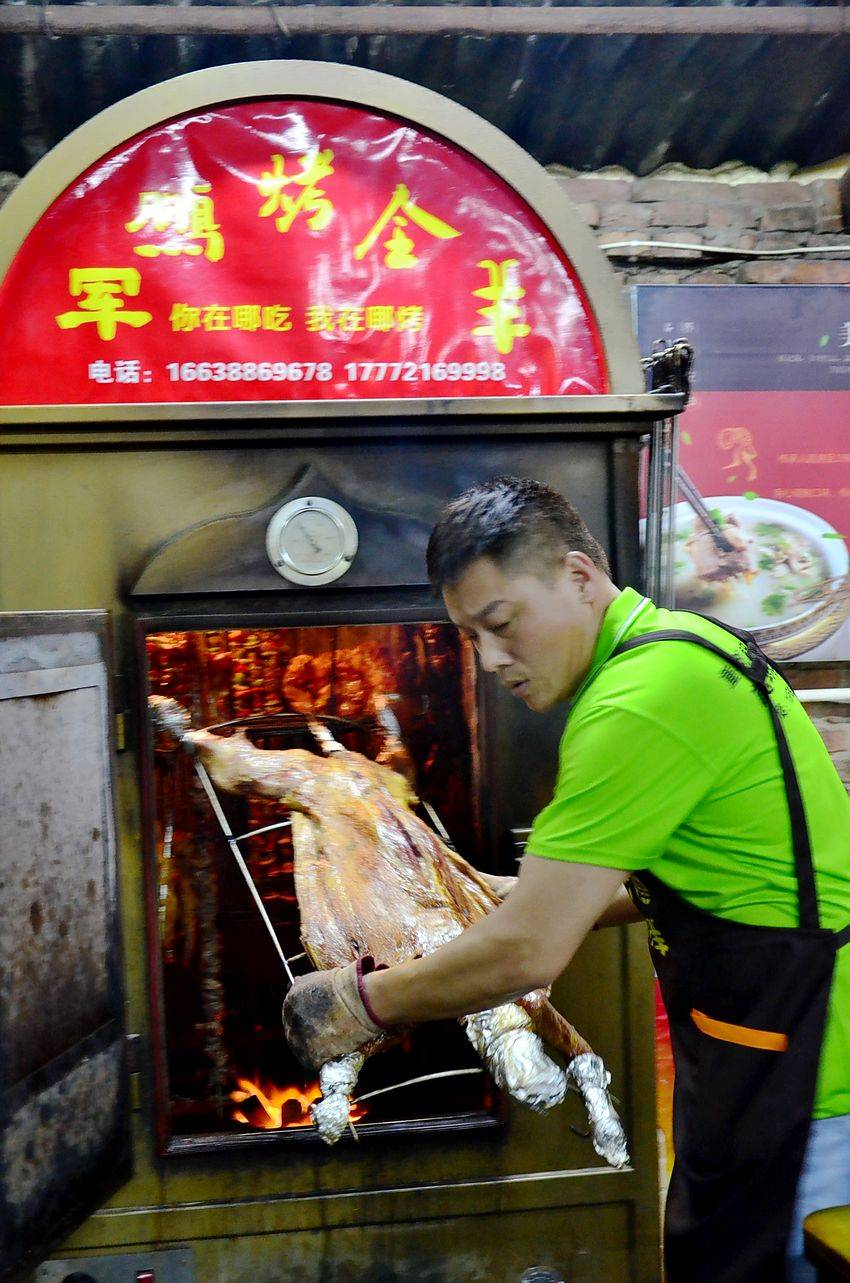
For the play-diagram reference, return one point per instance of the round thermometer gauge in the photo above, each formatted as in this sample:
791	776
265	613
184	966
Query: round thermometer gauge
311	541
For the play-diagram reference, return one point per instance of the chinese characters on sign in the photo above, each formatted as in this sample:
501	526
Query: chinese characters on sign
99	290
401	209
383	317
241	316
311	197
503	323
190	220
194	220
118	372
326	239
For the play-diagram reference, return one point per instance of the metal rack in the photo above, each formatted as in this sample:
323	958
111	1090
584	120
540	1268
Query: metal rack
318	728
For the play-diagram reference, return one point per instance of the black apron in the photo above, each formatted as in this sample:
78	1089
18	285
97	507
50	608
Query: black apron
747	1010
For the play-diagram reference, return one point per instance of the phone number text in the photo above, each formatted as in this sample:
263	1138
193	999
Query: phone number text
324	372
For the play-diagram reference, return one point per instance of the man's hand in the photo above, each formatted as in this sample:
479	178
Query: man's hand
500	884
324	1015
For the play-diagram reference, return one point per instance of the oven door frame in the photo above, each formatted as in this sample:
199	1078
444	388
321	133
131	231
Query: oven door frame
290	610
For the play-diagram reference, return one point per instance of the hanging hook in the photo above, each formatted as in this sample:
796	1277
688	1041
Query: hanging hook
46	28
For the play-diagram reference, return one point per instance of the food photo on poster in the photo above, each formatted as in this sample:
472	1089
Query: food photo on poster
763	479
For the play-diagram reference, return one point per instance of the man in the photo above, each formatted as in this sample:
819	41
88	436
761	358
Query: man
689	768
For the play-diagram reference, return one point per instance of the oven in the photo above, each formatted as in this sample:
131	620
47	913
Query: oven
376	664
153	1120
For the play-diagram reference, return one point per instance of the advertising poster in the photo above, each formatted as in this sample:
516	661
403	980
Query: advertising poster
765	443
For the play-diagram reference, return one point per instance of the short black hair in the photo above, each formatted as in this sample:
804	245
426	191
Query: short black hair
507	518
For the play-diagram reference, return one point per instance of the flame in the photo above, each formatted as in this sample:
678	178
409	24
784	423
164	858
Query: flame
278	1107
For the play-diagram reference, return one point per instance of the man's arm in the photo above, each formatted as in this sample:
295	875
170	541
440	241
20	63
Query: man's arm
501	884
524	944
620	911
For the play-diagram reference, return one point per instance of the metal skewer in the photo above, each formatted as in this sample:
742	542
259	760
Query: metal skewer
252	833
410	1082
391	725
438	825
238	857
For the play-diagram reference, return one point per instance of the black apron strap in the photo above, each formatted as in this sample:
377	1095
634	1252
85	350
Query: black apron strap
842	937
806	890
756	670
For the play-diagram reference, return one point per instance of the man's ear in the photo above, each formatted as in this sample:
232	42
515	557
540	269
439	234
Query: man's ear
580	567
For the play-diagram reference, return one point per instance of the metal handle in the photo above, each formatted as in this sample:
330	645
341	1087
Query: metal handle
659	543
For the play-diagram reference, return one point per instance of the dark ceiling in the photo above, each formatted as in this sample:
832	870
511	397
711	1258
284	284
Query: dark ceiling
584	102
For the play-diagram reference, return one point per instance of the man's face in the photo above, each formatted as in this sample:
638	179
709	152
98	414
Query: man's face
537	635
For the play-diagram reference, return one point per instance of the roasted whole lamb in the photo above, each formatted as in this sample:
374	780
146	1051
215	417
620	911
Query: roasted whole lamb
373	879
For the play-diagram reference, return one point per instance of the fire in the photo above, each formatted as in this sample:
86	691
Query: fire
270	1107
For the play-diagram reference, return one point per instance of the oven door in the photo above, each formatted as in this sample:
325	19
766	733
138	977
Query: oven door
64	1098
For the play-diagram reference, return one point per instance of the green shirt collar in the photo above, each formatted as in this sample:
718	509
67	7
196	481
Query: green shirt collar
616	625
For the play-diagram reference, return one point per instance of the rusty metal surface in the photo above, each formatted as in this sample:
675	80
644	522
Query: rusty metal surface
64	1110
636	101
174	1266
53	964
52	1150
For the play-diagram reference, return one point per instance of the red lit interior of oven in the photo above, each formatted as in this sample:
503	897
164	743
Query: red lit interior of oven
227	1067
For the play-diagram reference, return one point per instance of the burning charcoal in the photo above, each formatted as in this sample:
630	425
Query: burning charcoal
254	1113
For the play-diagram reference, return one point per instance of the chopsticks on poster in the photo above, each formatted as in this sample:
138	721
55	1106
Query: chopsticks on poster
696	501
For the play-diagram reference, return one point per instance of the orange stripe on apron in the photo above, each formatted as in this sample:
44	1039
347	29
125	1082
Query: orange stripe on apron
762	1039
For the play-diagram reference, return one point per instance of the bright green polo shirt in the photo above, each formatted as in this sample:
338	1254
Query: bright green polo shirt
669	763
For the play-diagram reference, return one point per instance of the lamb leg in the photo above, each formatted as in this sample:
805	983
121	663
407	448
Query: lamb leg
337	1080
587	1071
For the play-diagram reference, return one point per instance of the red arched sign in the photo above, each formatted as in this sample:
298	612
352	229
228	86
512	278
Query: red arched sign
284	250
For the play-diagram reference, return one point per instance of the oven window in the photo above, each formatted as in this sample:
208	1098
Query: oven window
403	694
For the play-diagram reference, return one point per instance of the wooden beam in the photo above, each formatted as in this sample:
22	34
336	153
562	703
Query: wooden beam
241	20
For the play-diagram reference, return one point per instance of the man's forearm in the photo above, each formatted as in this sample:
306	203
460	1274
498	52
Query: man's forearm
484	966
523	945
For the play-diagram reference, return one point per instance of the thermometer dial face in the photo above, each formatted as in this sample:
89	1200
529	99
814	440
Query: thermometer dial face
311	541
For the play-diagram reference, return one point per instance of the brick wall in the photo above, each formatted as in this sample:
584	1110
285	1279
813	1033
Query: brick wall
709	221
833	722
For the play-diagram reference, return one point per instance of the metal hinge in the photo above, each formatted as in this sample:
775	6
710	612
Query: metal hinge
120	732
133	1044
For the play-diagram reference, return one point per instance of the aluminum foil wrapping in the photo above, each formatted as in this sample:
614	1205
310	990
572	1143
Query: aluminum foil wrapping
592	1078
169	716
505	1040
337	1080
